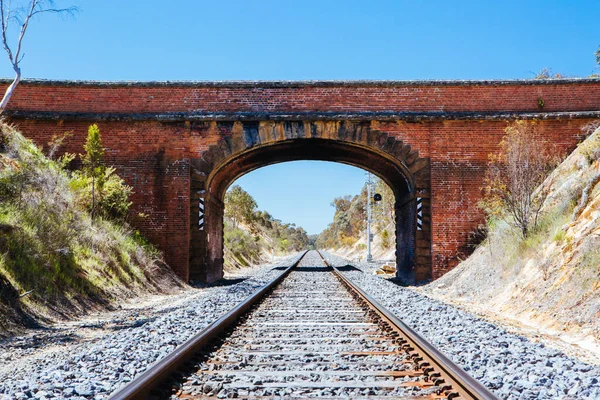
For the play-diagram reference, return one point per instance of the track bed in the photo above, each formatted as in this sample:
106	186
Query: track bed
314	335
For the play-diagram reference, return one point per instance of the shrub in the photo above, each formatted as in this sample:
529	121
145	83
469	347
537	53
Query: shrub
347	241
243	222
590	148
46	239
93	163
240	206
111	202
559	235
385	239
240	246
523	162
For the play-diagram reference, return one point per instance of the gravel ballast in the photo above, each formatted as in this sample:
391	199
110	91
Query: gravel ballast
96	368
297	344
510	365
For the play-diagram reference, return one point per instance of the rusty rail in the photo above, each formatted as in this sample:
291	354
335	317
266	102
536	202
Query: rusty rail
141	387
436	363
454	381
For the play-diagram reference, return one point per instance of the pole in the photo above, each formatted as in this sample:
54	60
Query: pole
369	256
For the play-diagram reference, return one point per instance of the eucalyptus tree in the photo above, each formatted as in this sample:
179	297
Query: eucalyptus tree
17	15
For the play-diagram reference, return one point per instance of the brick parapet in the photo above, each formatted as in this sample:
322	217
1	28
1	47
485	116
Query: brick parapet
322	97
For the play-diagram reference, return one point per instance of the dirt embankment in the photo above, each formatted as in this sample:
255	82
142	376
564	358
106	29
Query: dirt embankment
56	261
548	283
358	250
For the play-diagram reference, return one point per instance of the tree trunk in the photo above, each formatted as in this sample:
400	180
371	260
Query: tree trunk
93	198
10	91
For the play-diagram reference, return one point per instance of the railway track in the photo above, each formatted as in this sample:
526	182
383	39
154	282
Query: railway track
310	332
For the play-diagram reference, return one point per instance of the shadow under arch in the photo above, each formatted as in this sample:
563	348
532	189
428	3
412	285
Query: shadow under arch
248	148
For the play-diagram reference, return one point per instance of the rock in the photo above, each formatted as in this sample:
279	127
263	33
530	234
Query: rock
390	269
84	390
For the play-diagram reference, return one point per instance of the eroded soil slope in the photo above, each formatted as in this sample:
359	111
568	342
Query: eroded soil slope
549	281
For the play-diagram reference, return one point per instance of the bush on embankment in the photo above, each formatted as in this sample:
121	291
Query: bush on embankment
549	277
345	236
56	261
250	236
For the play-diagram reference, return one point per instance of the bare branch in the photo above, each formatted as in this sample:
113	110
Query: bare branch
34	8
69	10
514	174
34	4
5	13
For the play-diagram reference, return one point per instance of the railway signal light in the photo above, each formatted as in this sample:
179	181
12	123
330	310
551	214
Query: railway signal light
377	197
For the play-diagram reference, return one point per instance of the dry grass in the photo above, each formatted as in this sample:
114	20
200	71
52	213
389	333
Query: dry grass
550	278
50	247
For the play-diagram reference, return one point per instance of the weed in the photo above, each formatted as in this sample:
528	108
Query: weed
559	235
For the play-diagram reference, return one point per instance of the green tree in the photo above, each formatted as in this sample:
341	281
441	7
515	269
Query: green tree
93	163
240	206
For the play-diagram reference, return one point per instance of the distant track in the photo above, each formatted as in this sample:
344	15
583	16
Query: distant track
310	332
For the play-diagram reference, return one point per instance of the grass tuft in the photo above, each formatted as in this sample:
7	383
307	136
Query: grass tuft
49	246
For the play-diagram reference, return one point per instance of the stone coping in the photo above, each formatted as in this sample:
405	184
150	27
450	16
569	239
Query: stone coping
306	83
298	116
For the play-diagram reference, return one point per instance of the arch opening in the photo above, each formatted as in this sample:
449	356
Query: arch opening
293	205
206	243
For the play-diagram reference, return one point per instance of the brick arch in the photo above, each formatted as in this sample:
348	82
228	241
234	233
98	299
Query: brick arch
246	146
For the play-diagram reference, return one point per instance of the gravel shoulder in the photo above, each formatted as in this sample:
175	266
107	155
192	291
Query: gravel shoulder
510	365
93	356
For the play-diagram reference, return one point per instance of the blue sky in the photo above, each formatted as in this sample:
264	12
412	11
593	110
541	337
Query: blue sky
302	191
271	40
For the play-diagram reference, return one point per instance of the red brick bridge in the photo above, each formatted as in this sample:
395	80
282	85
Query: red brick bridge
181	144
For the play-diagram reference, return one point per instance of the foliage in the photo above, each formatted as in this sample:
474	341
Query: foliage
559	235
384	208
386	239
249	233
590	148
111	203
348	222
523	162
99	190
240	206
546	73
350	214
241	248
93	163
47	240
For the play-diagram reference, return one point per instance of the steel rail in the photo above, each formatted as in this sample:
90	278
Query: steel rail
461	382
141	387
